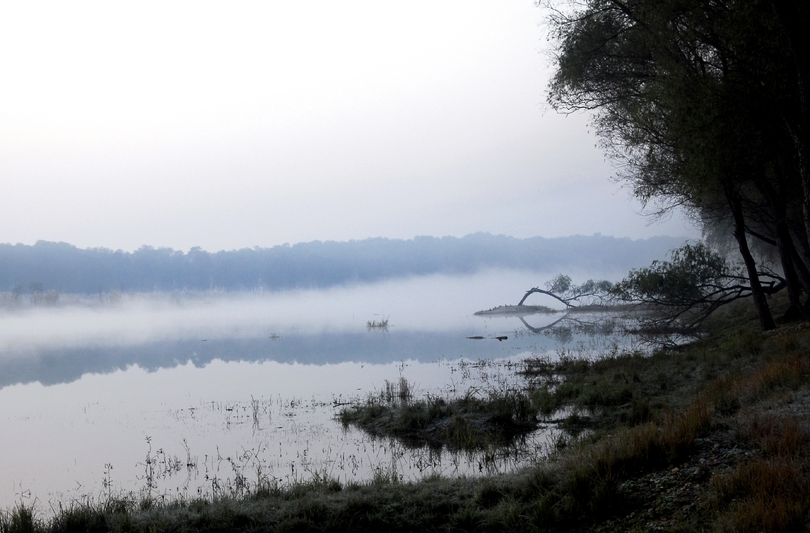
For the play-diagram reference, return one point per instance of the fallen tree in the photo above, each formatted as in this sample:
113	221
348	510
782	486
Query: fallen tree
675	295
689	287
592	292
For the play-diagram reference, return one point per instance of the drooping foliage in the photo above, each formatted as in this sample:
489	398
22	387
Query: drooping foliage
687	288
701	103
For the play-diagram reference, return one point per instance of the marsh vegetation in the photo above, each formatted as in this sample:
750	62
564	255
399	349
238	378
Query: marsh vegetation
712	436
477	420
186	368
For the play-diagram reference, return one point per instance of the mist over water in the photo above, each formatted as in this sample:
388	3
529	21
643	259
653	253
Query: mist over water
92	390
429	303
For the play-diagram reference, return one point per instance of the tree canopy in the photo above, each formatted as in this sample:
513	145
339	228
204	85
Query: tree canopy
702	105
686	289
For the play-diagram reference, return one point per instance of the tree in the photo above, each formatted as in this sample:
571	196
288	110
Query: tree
685	290
697	100
674	296
592	292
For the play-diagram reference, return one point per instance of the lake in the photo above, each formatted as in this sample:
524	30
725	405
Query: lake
195	393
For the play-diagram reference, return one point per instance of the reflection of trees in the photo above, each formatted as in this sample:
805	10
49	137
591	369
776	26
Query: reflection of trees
661	304
604	324
600	319
571	323
52	365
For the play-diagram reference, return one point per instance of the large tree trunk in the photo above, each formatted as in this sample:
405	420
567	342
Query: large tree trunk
765	318
794	16
804	172
794	282
804	274
787	253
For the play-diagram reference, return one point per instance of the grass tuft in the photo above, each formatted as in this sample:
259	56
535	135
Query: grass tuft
470	422
20	519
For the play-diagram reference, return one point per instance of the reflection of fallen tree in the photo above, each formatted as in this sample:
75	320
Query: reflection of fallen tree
564	328
610	323
597	325
589	308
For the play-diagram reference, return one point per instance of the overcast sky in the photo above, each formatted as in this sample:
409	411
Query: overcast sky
237	124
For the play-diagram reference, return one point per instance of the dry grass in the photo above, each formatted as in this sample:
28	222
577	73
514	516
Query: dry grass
770	492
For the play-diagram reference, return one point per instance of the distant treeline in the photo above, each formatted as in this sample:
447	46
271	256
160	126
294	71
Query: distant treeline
49	266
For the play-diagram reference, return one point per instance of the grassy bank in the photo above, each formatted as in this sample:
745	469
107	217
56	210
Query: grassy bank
709	437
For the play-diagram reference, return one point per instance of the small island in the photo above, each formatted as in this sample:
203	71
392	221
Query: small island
516	310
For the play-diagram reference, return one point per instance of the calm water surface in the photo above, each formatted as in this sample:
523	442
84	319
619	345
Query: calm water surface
195	393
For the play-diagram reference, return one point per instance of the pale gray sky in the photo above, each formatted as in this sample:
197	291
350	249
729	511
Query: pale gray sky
237	124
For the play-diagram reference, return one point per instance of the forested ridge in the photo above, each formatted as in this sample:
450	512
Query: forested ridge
62	267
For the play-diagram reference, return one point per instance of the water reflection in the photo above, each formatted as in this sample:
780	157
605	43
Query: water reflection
568	324
54	366
212	393
501	337
188	430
